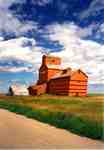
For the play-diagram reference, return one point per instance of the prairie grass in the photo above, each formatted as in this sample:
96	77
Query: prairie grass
80	115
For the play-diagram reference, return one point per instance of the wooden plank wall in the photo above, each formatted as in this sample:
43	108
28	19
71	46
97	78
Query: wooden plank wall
78	87
59	86
63	86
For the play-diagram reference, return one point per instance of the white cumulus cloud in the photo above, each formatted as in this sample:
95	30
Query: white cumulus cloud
14	50
93	9
41	2
78	53
10	23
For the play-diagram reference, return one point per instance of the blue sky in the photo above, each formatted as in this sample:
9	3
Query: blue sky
70	29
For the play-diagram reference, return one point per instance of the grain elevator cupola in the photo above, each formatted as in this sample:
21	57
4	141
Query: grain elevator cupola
49	67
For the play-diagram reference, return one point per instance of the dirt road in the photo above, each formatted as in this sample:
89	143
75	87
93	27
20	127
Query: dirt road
17	131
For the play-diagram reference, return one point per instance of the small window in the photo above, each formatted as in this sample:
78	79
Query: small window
64	71
42	72
53	60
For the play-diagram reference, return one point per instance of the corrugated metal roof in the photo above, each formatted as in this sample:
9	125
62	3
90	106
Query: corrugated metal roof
59	75
64	73
68	72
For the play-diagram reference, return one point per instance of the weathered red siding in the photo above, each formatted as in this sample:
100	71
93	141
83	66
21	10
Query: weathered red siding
38	89
59	86
78	87
42	74
46	73
51	73
62	86
68	82
51	60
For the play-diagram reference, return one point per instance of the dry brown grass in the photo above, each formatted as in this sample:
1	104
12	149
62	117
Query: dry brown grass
82	115
90	107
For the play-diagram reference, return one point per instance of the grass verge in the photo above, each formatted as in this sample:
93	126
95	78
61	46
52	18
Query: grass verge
71	122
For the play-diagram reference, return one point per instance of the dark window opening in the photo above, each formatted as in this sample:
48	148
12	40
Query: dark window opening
64	71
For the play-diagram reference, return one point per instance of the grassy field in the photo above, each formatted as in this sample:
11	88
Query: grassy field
80	115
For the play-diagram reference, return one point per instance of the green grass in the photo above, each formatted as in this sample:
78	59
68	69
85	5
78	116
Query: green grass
80	115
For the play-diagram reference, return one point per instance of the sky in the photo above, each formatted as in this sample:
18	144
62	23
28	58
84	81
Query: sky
70	29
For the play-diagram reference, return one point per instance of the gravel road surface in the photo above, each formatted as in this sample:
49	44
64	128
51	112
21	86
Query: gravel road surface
17	131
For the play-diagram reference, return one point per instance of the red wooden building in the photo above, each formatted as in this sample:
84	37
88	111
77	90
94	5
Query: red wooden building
55	80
